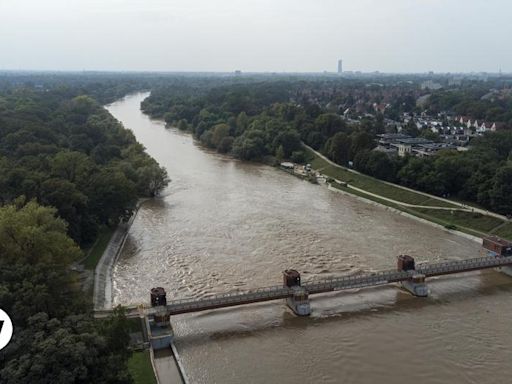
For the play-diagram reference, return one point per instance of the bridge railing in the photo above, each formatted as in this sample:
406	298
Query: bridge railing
230	298
463	265
357	281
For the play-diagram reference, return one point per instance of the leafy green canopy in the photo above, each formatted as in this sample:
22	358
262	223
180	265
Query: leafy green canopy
55	339
73	155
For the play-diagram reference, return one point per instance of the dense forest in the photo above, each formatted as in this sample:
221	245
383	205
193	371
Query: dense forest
270	118
55	337
70	153
67	167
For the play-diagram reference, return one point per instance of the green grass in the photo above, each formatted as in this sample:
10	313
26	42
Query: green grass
505	231
366	196
470	220
461	221
437	220
473	223
96	251
371	184
140	368
430	202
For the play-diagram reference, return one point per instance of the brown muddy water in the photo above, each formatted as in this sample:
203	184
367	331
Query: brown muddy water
226	225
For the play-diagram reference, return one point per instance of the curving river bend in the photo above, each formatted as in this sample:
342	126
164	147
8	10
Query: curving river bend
223	224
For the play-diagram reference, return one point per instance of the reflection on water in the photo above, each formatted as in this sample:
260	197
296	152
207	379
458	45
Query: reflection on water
224	225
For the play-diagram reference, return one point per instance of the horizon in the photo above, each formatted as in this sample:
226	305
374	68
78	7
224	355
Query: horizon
234	72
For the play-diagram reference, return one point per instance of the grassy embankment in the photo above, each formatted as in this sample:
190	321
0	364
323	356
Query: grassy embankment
469	222
140	368
96	251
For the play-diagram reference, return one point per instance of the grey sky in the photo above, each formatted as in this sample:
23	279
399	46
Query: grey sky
262	35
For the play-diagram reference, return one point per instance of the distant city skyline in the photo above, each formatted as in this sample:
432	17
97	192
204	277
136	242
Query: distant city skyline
389	36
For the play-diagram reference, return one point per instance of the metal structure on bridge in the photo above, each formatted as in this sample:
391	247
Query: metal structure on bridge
409	275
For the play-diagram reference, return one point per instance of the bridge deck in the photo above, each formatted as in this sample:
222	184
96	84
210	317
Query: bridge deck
176	307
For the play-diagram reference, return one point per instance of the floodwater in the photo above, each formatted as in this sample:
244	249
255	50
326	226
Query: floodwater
226	225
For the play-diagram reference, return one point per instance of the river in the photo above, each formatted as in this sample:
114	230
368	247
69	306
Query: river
223	225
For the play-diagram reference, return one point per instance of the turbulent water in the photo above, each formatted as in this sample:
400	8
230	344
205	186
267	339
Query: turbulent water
226	225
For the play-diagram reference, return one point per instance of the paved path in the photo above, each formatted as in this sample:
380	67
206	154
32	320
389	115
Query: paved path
407	204
103	273
102	297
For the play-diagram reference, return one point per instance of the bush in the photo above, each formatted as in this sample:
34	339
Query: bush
298	157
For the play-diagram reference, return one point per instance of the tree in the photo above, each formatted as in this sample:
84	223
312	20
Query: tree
250	145
34	255
360	141
338	147
381	166
298	157
226	144
151	179
70	202
182	125
71	165
428	134
280	153
501	192
411	129
329	124
242	122
315	139
111	196
379	124
289	141
219	132
206	139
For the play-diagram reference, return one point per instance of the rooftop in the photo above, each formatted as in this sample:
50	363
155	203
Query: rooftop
414	141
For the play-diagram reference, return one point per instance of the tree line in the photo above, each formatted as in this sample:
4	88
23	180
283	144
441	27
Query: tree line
67	167
254	121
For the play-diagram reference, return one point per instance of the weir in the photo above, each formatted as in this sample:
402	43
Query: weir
408	275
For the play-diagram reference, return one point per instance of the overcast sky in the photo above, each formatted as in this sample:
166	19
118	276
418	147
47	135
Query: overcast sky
257	35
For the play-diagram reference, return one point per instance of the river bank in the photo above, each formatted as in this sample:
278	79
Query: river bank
102	295
449	214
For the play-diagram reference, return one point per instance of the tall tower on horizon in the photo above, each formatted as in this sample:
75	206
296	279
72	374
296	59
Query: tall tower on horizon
340	67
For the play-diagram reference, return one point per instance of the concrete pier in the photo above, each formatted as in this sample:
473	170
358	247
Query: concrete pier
299	302
159	323
416	285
